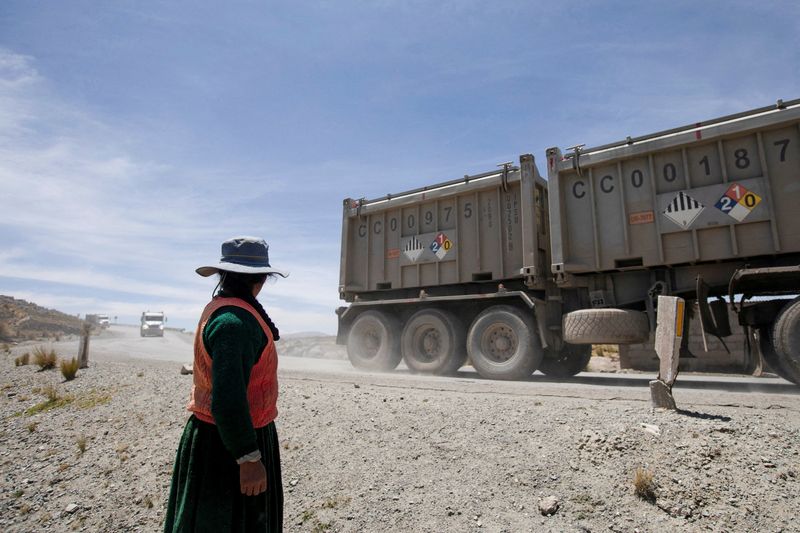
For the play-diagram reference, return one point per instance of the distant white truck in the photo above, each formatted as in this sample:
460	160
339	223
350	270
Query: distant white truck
152	324
98	320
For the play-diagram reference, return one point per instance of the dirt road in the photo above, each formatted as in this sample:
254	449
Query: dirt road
403	452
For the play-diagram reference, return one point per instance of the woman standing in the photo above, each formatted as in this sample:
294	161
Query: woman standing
227	474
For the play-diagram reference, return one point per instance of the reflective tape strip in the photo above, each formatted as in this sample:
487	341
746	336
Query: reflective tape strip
679	318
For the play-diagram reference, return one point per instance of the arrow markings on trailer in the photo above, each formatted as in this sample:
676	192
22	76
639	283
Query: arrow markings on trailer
413	249
683	210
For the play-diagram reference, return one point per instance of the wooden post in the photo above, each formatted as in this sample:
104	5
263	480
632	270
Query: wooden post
83	349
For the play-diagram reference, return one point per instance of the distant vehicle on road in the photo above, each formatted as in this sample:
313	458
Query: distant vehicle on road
98	320
152	324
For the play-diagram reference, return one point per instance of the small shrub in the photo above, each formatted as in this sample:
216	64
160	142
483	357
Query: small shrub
148	501
643	484
5	330
23	359
69	368
51	393
6	348
44	358
32	427
81	444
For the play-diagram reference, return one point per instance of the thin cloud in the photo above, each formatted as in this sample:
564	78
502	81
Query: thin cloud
93	215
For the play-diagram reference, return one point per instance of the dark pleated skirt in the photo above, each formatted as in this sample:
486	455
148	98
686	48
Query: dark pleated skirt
205	494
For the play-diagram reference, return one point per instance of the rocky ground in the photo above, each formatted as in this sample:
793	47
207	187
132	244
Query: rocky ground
397	452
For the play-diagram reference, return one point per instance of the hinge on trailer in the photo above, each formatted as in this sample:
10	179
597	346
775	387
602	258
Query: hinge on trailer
358	206
576	158
506	167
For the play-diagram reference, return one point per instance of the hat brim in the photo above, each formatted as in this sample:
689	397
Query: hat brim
206	271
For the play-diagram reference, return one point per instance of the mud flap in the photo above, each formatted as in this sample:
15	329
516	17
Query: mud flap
713	316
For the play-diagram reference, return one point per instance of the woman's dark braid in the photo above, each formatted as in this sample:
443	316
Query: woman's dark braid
236	285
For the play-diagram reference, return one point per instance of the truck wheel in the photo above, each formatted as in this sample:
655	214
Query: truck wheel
606	326
571	360
373	341
786	340
433	341
503	343
767	348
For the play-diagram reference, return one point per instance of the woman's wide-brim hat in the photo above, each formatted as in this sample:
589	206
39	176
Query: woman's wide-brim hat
246	255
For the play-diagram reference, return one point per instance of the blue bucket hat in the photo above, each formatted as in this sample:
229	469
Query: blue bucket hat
246	255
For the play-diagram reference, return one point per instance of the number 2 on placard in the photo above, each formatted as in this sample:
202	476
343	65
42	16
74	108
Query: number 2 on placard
727	204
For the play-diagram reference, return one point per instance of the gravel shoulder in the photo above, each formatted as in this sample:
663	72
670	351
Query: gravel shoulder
399	452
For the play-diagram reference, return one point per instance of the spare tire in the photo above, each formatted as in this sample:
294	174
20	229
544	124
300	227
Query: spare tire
606	326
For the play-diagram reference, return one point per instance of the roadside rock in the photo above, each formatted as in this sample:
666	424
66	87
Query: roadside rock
548	506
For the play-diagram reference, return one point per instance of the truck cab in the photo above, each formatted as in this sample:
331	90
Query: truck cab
152	324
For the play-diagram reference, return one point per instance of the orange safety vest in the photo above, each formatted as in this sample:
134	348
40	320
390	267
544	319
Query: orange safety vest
262	388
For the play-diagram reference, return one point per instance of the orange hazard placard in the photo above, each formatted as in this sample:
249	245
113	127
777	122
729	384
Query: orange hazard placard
644	217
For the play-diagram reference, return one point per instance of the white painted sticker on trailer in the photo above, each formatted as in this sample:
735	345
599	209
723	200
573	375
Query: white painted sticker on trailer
413	249
683	210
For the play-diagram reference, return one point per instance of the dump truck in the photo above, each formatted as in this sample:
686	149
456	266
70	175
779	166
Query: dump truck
519	273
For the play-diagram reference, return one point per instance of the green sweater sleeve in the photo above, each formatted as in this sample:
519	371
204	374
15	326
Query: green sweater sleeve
234	340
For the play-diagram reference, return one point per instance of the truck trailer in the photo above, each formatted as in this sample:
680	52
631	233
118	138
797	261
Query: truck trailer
519	273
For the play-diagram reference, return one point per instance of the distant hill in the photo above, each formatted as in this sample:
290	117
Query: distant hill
305	335
21	320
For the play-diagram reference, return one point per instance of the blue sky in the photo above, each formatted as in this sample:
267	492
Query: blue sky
135	136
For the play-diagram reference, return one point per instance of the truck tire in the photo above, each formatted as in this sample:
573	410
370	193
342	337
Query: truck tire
765	344
373	342
503	343
571	360
605	326
433	341
786	340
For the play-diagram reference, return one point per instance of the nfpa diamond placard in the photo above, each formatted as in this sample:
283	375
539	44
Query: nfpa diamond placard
738	202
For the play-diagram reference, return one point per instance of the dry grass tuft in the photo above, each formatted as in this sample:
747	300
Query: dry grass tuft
23	359
643	484
32	427
46	359
69	368
51	393
81	440
54	399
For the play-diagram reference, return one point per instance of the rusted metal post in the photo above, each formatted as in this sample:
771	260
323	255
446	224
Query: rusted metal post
669	333
83	349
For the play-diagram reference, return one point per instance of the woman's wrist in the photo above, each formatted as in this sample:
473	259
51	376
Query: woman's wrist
252	457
